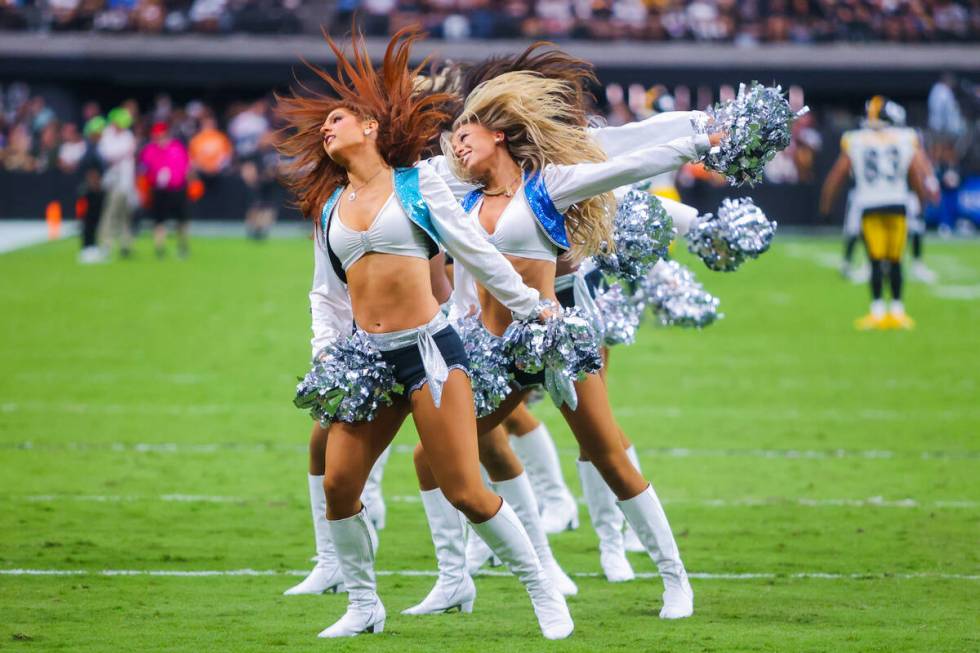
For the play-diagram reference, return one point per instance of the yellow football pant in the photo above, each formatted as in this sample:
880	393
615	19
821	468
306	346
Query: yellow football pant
884	235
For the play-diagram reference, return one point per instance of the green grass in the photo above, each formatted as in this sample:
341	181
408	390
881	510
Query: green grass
783	409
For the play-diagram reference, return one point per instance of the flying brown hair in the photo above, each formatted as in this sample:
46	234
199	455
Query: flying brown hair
408	119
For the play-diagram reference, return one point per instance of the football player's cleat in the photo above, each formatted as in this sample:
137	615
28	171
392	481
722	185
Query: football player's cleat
869	322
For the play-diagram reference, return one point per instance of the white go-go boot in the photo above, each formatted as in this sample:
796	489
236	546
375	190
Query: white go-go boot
326	576
648	519
454	589
352	538
506	536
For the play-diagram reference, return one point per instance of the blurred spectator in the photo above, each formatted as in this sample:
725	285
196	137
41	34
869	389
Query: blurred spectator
46	147
90	193
210	149
17	155
90	110
945	117
619	112
38	114
72	148
261	178
248	127
117	147
946	124
165	164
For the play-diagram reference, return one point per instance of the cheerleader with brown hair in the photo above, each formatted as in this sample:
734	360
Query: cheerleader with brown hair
380	216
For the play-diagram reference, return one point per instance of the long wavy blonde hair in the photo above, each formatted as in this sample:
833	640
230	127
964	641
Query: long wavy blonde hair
533	113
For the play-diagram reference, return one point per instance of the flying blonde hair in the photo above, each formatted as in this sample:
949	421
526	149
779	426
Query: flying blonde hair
533	113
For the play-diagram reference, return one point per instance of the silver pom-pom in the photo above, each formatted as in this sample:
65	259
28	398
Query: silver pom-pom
739	232
642	232
488	365
758	124
565	346
348	382
677	298
620	315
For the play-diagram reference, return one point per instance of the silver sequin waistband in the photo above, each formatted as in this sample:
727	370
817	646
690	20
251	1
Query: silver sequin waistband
405	337
436	370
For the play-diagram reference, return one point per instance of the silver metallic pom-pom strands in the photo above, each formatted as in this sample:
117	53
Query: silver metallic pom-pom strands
348	382
620	315
488	365
739	232
642	231
565	346
677	298
757	124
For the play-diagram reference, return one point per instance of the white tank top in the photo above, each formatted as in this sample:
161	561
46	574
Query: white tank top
517	232
391	232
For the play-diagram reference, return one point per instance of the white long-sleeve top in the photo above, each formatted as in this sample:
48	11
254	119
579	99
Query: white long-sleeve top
568	184
614	141
661	128
330	302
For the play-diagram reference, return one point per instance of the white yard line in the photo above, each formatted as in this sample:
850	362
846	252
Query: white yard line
663	452
870	502
17	234
949	269
205	573
966	293
644	410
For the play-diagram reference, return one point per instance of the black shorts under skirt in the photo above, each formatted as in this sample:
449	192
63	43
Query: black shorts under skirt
406	362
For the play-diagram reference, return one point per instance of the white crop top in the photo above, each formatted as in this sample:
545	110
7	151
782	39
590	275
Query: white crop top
330	302
517	233
391	232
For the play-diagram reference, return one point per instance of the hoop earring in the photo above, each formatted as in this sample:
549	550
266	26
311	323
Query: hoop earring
367	132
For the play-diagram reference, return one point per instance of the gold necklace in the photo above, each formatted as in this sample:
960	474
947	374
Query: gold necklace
353	193
505	190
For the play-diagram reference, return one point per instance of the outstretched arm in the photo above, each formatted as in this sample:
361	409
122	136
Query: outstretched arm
683	215
922	179
655	130
834	182
568	184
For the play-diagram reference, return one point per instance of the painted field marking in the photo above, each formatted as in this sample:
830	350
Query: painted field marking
206	573
205	409
870	502
178	448
949	269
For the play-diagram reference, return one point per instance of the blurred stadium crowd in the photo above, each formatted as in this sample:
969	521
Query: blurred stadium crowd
733	21
34	138
121	156
238	139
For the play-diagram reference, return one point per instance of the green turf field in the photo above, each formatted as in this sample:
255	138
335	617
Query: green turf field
824	484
